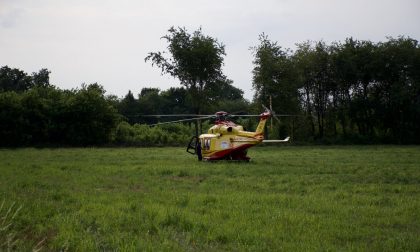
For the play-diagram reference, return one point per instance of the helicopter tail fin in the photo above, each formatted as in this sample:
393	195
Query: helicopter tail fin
263	119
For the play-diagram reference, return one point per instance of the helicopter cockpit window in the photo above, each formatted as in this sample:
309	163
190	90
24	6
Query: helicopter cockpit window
206	144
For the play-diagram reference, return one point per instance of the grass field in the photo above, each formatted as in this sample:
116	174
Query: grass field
360	198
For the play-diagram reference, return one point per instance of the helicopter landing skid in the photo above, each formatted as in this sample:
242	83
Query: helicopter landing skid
227	159
239	156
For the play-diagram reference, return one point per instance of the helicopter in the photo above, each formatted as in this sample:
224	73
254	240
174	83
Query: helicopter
226	140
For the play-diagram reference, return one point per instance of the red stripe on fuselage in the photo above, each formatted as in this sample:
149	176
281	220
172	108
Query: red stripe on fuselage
224	153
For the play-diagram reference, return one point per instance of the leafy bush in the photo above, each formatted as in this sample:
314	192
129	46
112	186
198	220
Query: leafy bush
144	135
47	115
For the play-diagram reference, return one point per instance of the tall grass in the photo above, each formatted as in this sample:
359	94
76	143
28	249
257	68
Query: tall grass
8	239
286	199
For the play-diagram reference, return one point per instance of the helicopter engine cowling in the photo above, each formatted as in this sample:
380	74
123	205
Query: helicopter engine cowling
228	130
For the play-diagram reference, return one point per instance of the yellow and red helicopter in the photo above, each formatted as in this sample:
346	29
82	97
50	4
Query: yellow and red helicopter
226	140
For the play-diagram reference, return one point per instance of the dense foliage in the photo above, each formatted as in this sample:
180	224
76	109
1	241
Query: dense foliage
356	91
153	101
40	114
44	114
346	92
144	135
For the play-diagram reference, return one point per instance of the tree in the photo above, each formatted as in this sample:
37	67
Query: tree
274	75
86	117
176	101
225	97
150	102
12	121
13	79
223	90
42	78
355	66
196	60
129	107
274	79
398	93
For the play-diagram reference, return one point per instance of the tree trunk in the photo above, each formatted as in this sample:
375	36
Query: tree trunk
309	109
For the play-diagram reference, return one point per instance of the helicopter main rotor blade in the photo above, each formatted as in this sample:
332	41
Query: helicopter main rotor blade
275	117
182	120
243	115
170	115
264	107
282	115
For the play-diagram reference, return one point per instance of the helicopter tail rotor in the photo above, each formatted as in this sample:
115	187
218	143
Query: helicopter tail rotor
272	113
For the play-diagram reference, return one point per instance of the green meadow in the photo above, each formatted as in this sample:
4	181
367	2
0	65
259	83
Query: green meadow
335	198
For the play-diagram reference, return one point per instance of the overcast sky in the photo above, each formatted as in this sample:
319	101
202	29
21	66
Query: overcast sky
82	41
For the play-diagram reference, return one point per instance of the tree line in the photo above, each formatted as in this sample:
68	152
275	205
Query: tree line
353	91
344	92
34	112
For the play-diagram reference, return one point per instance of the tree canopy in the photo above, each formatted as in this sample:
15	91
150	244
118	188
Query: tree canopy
195	59
356	90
